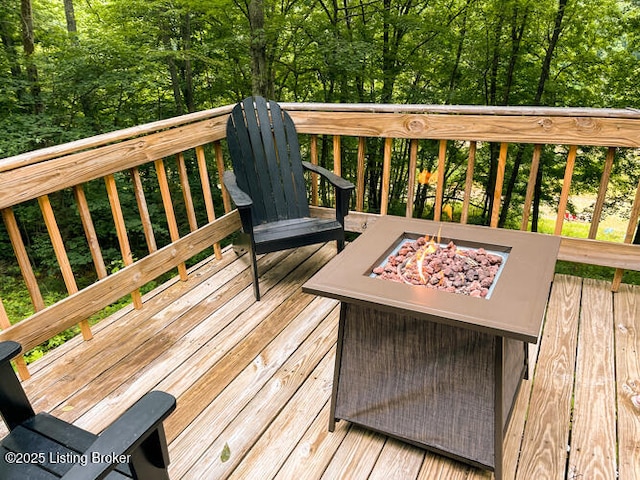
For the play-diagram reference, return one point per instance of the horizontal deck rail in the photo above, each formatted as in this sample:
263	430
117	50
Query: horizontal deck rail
117	159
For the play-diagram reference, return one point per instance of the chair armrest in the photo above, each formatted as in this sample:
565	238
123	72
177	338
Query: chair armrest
8	350
137	437
239	197
333	179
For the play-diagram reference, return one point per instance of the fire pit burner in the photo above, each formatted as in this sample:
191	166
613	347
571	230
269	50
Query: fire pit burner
447	267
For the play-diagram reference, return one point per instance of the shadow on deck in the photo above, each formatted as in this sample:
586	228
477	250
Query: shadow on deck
253	381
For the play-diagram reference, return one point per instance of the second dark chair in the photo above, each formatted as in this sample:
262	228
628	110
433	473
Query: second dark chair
268	187
43	447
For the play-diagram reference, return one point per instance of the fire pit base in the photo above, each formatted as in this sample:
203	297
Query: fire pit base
444	388
440	370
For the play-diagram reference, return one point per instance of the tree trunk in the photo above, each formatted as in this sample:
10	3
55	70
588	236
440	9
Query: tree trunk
7	38
517	31
260	82
544	76
188	91
28	43
70	15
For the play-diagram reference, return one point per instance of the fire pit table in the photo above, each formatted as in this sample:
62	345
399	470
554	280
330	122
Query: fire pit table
437	369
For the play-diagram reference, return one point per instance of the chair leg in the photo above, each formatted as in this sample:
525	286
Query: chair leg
340	245
254	274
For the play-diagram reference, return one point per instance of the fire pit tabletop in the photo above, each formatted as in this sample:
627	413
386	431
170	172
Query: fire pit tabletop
517	303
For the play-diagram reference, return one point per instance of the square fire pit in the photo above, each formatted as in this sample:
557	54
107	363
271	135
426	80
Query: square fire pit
438	369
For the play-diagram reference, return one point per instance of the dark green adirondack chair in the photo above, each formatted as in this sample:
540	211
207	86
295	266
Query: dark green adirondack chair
268	187
43	447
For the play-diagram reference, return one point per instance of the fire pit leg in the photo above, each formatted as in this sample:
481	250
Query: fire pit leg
336	371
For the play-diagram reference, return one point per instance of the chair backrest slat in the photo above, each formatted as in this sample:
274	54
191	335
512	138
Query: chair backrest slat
265	153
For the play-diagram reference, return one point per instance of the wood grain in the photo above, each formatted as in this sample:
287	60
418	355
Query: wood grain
186	192
61	256
411	181
546	434
593	429
121	232
468	184
566	186
145	218
32	181
627	338
169	212
497	191
386	175
602	192
46	323
23	258
226	357
442	157
206	193
531	184
89	231
557	130
362	146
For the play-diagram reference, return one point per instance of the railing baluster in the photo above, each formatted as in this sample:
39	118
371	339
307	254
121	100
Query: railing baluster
21	365
23	259
145	218
442	154
61	256
89	231
362	147
602	192
531	185
206	192
631	228
497	192
165	193
566	187
121	231
411	187
313	154
226	201
468	184
386	175
186	192
337	155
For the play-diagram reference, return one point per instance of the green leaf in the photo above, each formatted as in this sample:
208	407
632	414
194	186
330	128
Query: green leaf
226	453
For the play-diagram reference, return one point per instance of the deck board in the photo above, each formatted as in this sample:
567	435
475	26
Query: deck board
253	381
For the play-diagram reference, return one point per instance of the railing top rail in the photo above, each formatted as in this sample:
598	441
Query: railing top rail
465	109
48	153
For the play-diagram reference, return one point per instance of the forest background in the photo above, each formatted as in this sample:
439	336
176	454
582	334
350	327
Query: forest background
70	69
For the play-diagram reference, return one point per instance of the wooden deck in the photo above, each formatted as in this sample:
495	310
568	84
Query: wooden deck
253	381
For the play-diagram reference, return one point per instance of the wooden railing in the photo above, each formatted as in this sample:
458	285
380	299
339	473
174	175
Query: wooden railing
37	175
